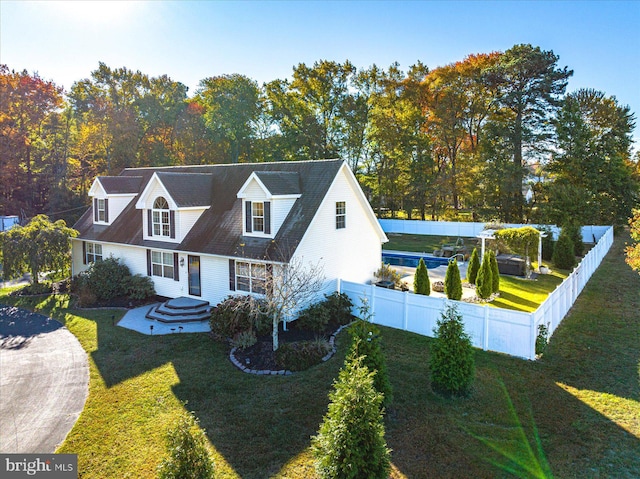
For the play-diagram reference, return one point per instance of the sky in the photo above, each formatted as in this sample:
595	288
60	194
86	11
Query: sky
192	40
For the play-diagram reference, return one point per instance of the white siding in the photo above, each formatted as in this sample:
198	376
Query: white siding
280	208
185	221
352	253
116	205
254	192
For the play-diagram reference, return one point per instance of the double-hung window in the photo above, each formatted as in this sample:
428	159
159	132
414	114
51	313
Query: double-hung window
251	277
93	252
102	210
162	264
341	215
161	218
257	215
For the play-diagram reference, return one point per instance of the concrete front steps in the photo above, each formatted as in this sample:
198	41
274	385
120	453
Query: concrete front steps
180	310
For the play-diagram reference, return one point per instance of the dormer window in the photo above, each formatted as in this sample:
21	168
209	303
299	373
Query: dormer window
258	217
161	219
100	210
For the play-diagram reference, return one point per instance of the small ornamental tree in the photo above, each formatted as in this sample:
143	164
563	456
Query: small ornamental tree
365	342
484	281
421	283
350	442
452	361
452	282
39	246
563	252
495	272
474	266
189	457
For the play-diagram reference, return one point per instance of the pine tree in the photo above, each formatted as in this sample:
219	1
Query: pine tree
495	272
563	252
474	267
574	232
350	442
484	281
421	283
452	282
452	361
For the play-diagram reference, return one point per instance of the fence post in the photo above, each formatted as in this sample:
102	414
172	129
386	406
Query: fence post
485	335
532	339
405	311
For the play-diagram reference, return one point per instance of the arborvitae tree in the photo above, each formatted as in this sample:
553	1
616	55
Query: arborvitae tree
452	282
452	361
366	343
547	244
350	442
484	281
563	252
574	231
474	266
495	272
421	283
188	454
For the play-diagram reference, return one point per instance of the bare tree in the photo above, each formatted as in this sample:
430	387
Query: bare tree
289	288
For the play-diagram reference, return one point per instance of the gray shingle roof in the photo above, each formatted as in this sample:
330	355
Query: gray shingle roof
115	185
280	182
188	189
219	229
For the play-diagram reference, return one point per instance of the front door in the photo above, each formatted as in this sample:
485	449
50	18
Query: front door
194	275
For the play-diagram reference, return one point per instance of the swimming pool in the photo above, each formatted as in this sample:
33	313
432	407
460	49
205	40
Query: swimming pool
396	258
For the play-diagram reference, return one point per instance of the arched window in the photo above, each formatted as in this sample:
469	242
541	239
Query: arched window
161	217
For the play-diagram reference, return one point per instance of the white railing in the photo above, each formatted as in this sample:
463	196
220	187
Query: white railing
494	329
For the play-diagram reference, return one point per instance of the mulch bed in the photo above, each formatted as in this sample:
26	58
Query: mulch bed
261	356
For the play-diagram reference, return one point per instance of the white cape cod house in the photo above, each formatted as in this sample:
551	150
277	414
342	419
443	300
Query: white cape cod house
205	232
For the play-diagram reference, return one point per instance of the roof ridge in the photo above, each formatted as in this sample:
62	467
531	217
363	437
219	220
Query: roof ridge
285	162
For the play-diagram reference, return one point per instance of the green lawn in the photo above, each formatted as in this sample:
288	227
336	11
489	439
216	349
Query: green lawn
574	413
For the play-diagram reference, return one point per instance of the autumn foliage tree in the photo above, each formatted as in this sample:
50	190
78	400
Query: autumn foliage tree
633	251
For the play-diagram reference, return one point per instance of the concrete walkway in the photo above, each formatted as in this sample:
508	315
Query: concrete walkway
135	320
44	382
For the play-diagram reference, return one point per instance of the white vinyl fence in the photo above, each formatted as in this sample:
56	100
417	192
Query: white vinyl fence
494	329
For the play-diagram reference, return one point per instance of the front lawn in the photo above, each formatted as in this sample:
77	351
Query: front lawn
574	413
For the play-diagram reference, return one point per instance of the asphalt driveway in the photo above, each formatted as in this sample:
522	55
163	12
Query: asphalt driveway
44	381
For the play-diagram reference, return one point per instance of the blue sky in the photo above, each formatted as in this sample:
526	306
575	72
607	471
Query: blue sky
189	41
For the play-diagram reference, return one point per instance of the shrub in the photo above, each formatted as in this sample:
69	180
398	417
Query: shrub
301	355
315	318
387	273
474	266
452	357
495	272
574	231
350	442
238	314
563	256
484	281
106	278
547	244
188	454
244	340
339	306
366	342
452	282
139	287
542	339
421	283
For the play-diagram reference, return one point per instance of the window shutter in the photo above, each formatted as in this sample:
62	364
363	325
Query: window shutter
84	252
149	224
248	217
148	262
232	275
267	217
176	269
172	223
95	209
106	210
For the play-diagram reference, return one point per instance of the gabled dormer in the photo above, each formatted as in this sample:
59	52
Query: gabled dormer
110	196
267	198
172	202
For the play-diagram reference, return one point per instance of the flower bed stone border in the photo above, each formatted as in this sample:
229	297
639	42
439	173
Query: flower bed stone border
284	372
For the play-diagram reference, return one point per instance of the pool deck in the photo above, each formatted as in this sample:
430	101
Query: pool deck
435	274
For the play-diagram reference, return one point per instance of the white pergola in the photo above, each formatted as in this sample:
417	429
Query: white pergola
489	234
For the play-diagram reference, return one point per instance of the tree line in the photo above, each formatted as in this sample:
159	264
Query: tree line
494	136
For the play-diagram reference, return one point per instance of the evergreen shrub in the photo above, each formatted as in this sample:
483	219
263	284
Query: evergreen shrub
495	272
301	355
107	278
452	361
189	457
563	253
339	306
139	287
314	318
473	267
452	282
484	281
421	282
350	442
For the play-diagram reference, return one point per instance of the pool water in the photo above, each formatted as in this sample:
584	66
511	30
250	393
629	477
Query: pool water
412	260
